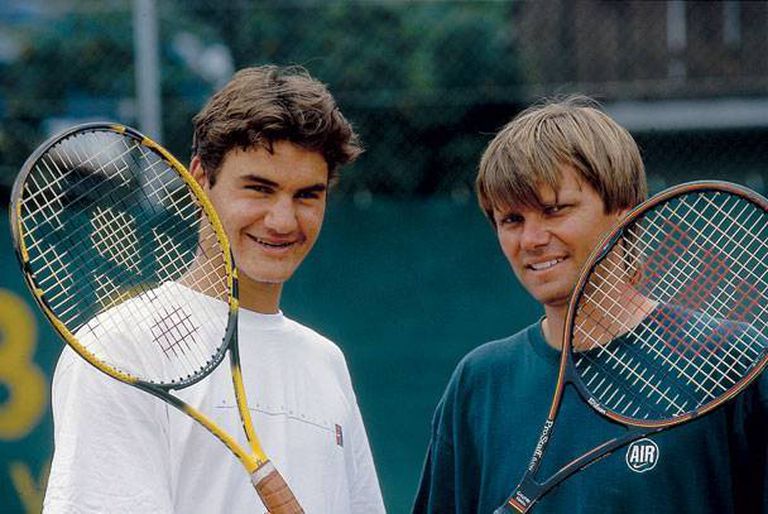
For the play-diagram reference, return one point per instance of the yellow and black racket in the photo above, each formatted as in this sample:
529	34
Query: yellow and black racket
668	320
127	258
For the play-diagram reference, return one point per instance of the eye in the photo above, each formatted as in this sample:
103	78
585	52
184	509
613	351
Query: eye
511	219
259	188
551	210
315	192
308	195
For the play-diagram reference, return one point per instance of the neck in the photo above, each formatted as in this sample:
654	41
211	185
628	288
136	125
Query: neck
621	316
259	297
553	325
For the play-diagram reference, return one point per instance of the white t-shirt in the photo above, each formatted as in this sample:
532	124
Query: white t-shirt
119	449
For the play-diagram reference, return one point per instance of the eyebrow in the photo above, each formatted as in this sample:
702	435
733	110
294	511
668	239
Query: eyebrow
317	188
314	188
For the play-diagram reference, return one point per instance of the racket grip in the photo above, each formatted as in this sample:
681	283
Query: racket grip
274	492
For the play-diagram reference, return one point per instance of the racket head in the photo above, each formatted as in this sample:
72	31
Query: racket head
117	241
668	318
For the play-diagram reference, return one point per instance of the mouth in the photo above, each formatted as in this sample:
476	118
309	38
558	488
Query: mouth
545	265
273	244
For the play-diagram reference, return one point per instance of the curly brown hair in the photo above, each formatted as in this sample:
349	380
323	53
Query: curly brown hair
266	104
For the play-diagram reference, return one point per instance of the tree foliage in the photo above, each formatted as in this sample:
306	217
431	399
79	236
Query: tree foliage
424	82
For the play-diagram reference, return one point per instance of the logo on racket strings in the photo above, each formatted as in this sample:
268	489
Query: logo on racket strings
642	455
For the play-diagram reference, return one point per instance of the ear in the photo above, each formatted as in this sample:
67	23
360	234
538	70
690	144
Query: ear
198	173
622	212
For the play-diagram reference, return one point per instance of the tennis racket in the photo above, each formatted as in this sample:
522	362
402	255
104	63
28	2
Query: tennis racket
127	258
667	321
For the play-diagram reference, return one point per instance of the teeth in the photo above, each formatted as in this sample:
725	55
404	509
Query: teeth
545	265
273	245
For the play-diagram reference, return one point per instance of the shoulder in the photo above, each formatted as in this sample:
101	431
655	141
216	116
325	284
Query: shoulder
485	370
72	370
312	340
483	377
314	355
79	387
498	354
313	351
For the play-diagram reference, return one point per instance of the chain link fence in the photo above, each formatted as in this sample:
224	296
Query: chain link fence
425	82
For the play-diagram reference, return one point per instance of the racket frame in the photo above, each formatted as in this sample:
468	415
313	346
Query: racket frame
22	254
256	462
529	490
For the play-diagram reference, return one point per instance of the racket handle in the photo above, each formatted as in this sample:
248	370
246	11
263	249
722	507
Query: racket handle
274	492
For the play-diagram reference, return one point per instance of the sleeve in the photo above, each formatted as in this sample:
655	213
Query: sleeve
111	449
365	492
749	446
437	488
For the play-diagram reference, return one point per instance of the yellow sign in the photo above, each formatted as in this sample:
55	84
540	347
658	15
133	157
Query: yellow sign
24	381
31	490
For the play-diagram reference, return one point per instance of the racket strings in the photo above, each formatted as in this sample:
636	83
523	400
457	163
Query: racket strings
701	272
95	211
630	367
687	335
122	200
103	223
110	288
52	191
173	331
697	260
81	245
725	236
57	176
117	228
717	369
704	239
709	274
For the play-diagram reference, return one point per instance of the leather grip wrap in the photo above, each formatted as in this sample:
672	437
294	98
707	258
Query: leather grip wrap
274	491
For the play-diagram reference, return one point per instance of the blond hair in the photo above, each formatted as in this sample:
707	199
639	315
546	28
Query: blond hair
533	148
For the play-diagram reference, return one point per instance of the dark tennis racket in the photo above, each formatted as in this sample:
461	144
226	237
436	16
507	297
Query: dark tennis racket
127	258
667	321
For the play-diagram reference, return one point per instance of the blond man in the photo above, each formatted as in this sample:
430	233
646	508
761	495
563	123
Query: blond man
552	182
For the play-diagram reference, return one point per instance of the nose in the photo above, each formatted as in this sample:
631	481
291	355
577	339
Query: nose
281	216
535	234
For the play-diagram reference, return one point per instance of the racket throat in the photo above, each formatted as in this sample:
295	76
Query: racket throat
528	490
538	452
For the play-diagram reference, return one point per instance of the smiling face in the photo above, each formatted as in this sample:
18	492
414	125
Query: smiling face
548	245
272	207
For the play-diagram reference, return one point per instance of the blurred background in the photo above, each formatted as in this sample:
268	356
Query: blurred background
407	276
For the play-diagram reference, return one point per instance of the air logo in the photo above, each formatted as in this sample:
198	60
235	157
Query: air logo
642	455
